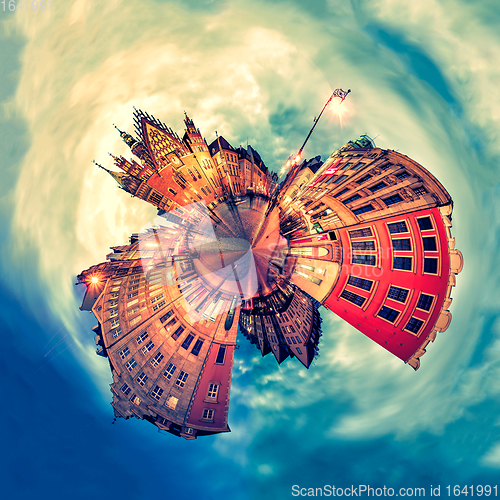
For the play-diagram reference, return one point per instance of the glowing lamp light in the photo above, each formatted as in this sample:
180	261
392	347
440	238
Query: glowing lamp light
94	280
337	108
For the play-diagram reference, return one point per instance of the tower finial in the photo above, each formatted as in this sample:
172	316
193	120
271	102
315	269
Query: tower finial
99	165
127	138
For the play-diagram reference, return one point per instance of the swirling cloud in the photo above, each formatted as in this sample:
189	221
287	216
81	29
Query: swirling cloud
423	81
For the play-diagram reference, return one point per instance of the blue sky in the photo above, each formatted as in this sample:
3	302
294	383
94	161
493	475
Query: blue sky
424	79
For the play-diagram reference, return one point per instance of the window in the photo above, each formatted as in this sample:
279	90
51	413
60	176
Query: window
402	263
362	210
178	332
376	187
155	197
353	297
142	379
213	391
133	311
172	191
364	179
346	166
157	306
135	320
157	392
169	371
187	341
339	179
171	402
165	317
293	340
131	295
317	207
148	347
130	365
170	323
424	223
197	347
125	389
157	298
124	353
402	175
298	350
363	245
419	191
366	260
395	198
401	244
340	193
360	282
116	332
414	325
424	302
221	355
157	359
396	293
430	265
352	198
298	339
388	313
397	227
360	233
181	379
429	243
208	414
308	277
142	337
161	420
135	399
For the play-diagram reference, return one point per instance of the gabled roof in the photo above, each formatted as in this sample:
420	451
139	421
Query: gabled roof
223	144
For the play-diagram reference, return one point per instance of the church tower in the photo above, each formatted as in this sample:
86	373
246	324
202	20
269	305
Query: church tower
138	149
125	181
192	136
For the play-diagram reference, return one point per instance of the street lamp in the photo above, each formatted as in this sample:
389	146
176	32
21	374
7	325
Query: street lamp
336	93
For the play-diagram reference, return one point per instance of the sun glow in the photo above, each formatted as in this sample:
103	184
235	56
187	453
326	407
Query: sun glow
338	108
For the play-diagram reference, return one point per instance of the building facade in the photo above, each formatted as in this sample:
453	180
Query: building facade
165	332
370	238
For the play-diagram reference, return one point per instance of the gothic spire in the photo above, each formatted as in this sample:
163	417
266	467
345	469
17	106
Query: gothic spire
119	177
127	138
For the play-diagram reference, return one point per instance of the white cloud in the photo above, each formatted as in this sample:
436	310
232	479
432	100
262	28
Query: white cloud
492	457
263	72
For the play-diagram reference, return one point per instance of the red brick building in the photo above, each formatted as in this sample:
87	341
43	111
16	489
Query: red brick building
370	238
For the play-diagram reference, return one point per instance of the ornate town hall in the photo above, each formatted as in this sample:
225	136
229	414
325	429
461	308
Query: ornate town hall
365	234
